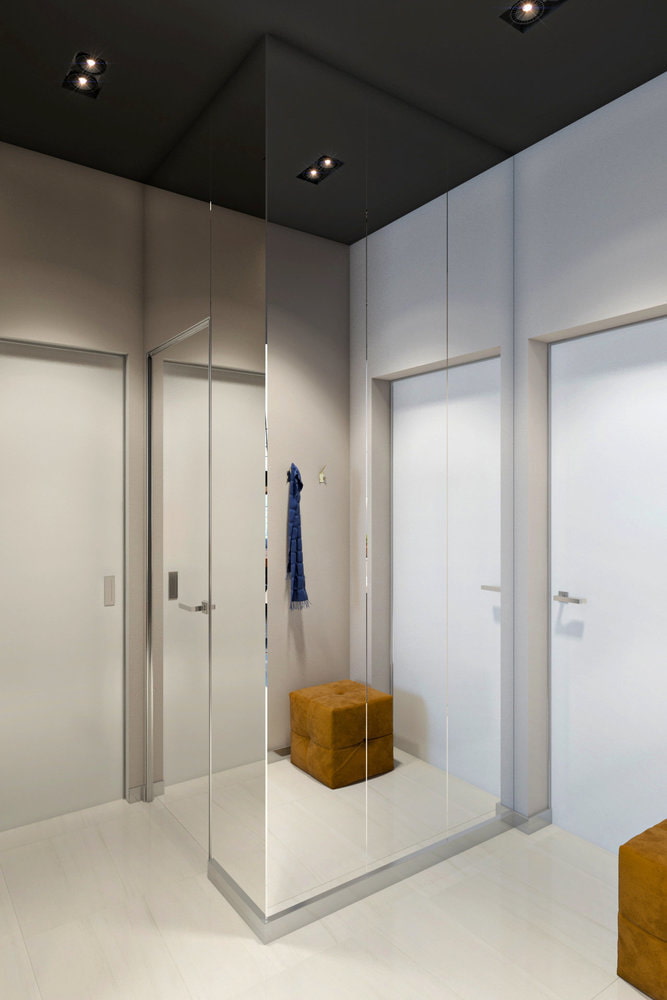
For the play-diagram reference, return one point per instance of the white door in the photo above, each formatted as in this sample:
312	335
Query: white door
237	566
609	546
185	496
61	534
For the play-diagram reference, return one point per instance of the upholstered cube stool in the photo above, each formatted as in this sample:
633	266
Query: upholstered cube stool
642	911
329	740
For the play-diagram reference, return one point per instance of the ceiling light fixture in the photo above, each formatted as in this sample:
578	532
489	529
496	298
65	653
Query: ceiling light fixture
315	172
89	63
523	14
83	74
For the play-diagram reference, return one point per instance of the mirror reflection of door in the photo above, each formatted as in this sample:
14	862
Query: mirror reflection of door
446	628
609	548
179	410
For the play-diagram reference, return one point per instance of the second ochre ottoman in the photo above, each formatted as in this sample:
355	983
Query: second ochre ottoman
642	916
328	732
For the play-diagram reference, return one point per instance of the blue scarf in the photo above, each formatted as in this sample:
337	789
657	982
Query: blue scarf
298	595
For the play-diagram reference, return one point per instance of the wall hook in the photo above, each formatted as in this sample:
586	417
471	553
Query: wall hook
323	478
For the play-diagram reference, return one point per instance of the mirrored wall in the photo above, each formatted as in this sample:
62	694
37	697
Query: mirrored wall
331	490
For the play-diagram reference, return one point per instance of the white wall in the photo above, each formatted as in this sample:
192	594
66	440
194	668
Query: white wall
568	237
71	274
591	246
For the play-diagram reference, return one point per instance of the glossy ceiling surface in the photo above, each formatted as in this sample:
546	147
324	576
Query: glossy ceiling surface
426	93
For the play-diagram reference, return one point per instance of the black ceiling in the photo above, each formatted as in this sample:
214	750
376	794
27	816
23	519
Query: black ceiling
477	90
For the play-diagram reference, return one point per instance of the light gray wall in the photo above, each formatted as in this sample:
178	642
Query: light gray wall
308	424
71	274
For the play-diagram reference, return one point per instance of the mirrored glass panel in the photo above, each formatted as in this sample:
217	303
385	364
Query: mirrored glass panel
317	756
355	479
179	464
238	499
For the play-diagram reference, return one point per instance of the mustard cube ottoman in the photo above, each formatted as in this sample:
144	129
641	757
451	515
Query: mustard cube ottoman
329	739
642	911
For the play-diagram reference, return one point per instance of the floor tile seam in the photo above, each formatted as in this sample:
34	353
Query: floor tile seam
31	843
287	847
170	952
530	980
184	827
535	890
22	935
343	841
497	862
81	921
545	931
585	871
151	915
538	849
110	860
353	937
565	939
195	843
616	979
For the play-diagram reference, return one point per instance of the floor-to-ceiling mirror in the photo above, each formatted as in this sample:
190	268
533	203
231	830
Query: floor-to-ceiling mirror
341	433
179	568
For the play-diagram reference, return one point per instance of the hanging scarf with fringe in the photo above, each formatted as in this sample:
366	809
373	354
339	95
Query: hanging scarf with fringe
298	595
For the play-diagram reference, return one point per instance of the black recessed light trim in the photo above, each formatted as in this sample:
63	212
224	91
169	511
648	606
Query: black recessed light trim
75	81
523	14
83	74
320	168
88	63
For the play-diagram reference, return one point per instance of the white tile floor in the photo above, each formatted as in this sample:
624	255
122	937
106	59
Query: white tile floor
113	904
317	837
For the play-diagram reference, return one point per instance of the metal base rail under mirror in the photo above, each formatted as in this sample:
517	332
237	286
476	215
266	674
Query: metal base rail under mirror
270	928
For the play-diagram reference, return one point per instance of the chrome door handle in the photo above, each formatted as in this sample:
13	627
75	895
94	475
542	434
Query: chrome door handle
564	598
487	586
204	606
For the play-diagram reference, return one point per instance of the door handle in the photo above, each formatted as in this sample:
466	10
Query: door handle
204	606
564	598
487	586
189	607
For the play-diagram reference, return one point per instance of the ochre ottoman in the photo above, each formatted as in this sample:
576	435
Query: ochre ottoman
329	739
642	911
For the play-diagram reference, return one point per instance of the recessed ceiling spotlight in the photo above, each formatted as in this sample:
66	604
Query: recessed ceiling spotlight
321	168
85	83
523	14
83	74
89	63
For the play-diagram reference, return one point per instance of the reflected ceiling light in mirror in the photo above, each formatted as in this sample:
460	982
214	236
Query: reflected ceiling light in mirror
324	165
525	13
89	64
83	74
